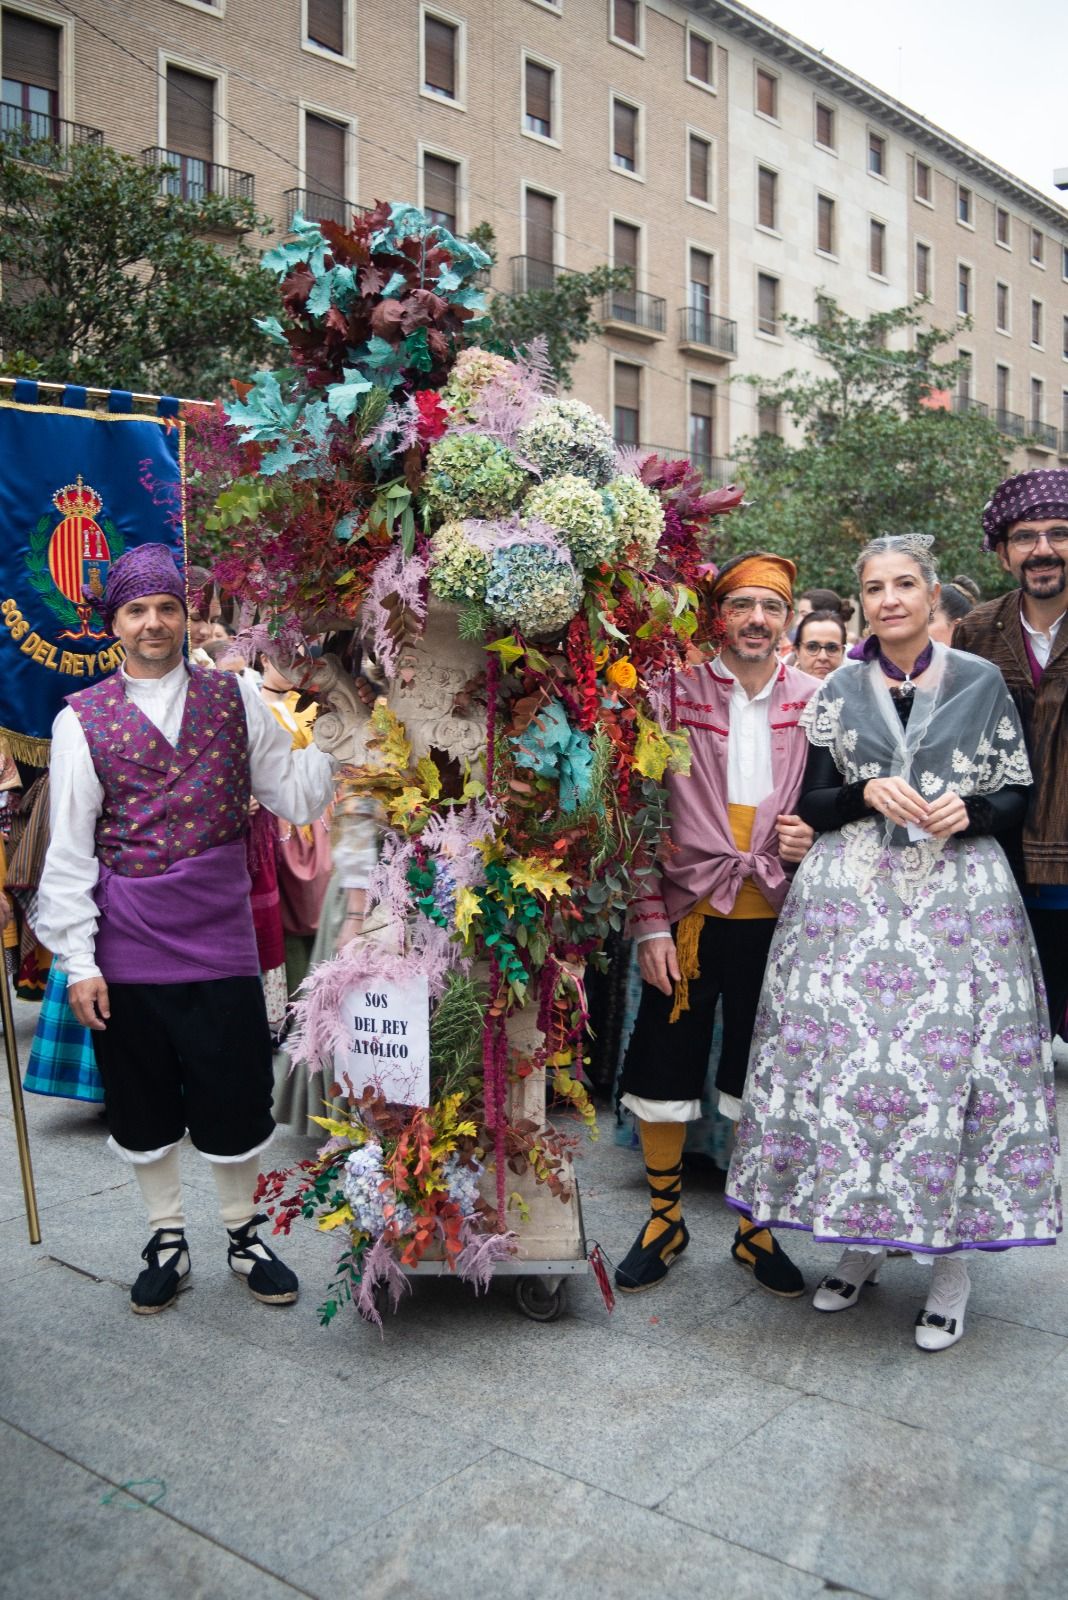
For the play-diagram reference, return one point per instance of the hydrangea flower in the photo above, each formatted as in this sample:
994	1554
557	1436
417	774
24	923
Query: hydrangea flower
534	588
473	371
470	475
582	515
458	568
461	1183
639	519
362	1177
567	436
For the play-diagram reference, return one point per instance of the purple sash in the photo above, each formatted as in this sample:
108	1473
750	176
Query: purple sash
188	924
1034	662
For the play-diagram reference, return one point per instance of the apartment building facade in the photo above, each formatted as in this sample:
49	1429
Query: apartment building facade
736	171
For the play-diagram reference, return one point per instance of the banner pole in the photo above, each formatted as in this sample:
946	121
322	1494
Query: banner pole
18	1108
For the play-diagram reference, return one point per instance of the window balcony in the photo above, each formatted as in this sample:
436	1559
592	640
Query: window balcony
1043	436
316	207
1011	423
529	274
1064	443
189	178
635	313
41	139
702	334
962	403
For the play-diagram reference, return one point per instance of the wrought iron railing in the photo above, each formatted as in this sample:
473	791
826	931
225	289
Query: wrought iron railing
528	273
697	326
1043	434
633	306
190	178
1010	422
318	207
41	139
962	403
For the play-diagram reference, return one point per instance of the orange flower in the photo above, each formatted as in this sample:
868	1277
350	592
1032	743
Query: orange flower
621	674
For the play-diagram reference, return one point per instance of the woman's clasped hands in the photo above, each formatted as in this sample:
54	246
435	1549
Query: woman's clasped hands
899	803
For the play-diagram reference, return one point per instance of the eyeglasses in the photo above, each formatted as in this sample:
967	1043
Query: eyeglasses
1024	543
742	605
811	648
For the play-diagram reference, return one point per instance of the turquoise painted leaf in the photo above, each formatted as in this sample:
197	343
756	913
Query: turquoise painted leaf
263	414
343	398
272	328
286	455
345	290
317	421
448	280
396	286
318	302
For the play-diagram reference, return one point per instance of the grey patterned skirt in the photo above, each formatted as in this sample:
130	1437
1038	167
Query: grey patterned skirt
900	1087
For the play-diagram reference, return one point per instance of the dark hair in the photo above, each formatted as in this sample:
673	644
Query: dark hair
819	616
828	600
970	587
954	601
221	650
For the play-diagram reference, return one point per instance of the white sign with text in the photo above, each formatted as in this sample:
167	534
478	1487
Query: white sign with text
388	1025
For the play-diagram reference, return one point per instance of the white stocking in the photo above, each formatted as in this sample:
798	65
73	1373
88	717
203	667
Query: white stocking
236	1183
160	1183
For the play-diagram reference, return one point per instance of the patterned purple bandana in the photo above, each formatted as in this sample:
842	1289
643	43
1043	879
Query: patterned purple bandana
147	569
1029	496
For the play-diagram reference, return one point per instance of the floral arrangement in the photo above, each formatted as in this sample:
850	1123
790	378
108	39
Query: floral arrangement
390	464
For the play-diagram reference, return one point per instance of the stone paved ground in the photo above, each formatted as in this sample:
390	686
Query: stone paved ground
706	1441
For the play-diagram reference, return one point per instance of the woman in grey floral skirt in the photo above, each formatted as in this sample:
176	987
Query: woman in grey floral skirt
900	1091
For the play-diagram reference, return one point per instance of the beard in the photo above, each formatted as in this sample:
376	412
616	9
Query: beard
1045	581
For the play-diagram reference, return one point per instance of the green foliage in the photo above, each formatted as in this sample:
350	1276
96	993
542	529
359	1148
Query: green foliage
456	1033
873	456
561	314
108	283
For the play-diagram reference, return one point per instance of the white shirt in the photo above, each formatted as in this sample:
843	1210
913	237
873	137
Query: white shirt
1042	643
298	785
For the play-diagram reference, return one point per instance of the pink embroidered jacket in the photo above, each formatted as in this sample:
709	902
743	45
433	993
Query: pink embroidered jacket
702	860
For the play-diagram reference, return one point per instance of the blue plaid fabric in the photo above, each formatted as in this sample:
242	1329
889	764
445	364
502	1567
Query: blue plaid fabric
61	1055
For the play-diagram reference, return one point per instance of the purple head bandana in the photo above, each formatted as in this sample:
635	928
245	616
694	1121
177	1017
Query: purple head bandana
1029	496
147	569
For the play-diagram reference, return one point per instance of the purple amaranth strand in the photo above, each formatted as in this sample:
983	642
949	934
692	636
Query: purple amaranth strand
493	670
674	701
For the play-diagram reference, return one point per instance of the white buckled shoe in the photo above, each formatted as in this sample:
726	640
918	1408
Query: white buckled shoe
941	1322
842	1289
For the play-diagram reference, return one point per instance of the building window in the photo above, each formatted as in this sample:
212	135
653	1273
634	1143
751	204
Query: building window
767	93
922	186
1064	422
964	377
626	18
539	93
701	286
1036	322
877	155
190	117
700	170
877	248
441	191
702	424
624	136
700	59
540	238
1064	262
769	419
441	55
1002	225
923	269
627	406
1064	337
1037	243
825	130
1001	307
964	289
30	102
767	304
1038	402
767	198
326	25
626	248
324	167
1001	389
825	225
964	205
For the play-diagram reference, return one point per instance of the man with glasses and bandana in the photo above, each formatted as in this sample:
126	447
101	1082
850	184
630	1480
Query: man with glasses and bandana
1025	523
704	916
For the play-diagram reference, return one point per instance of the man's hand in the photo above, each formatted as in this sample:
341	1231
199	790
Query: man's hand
89	1002
795	836
948	814
7	911
658	963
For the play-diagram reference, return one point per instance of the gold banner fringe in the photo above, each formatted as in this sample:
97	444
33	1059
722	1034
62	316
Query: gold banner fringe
24	747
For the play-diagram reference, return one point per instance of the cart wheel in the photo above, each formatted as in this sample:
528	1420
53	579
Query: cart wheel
537	1300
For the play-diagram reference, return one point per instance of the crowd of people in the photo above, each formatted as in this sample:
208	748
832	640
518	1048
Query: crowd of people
866	877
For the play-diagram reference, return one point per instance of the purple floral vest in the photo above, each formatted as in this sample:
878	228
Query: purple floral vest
164	803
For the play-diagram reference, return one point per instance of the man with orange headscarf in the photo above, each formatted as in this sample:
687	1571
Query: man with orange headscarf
704	917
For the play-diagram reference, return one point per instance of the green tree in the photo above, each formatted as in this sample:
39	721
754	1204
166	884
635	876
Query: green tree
877	453
107	282
562	314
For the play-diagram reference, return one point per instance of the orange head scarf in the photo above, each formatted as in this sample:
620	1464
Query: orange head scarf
756	568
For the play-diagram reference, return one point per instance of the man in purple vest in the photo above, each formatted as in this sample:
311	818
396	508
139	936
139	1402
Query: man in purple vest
1025	523
145	901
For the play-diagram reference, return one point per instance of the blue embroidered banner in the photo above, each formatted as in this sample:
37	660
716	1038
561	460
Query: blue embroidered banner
77	488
